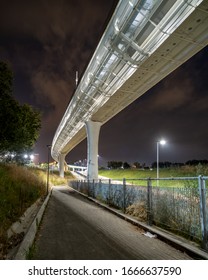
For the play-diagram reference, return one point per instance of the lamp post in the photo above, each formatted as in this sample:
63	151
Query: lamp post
48	146
161	142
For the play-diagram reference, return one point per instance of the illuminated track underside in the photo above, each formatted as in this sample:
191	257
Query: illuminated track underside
143	42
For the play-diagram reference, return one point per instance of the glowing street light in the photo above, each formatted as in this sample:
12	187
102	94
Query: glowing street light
161	142
32	157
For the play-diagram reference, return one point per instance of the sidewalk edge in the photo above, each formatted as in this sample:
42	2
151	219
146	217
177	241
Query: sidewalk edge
30	235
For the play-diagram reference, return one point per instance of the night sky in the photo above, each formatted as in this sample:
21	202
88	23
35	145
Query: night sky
47	41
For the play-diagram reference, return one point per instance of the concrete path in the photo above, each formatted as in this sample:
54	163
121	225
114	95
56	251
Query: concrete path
75	228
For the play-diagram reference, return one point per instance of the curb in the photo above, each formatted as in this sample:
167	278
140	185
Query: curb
178	242
22	224
30	235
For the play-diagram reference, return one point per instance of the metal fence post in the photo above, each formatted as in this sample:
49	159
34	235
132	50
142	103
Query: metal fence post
93	187
124	195
88	186
100	189
202	197
149	202
109	192
80	186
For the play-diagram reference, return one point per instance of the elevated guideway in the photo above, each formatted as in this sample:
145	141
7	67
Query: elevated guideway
77	167
144	41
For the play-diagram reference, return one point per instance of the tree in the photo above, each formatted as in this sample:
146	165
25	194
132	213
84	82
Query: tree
115	164
19	124
28	128
6	77
126	165
137	164
195	162
9	111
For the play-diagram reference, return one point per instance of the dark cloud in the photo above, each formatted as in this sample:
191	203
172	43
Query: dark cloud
47	42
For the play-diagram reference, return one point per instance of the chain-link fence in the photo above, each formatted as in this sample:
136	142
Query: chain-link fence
179	205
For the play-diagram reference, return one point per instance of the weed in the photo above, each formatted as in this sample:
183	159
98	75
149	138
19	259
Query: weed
19	189
29	255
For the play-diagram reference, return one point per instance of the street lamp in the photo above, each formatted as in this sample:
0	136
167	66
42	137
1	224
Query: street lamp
161	142
32	157
48	146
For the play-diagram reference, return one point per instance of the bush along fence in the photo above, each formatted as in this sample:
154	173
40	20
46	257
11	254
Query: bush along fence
179	205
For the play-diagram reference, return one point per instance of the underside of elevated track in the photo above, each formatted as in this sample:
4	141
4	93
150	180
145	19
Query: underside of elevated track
144	41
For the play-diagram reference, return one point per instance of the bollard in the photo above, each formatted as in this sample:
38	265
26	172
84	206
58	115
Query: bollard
202	196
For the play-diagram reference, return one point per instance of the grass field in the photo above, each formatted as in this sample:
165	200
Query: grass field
183	171
128	174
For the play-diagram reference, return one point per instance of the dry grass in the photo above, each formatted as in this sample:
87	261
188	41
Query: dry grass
54	178
138	210
19	189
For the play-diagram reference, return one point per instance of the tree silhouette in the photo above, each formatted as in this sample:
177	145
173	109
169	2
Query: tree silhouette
19	124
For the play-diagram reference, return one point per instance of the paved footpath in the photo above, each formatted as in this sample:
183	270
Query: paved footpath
74	228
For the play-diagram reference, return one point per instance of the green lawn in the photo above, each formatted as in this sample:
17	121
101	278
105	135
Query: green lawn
184	171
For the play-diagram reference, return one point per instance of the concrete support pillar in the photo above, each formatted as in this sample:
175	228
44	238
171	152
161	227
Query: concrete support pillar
61	165
93	129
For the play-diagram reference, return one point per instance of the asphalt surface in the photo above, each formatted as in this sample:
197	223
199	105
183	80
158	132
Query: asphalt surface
74	228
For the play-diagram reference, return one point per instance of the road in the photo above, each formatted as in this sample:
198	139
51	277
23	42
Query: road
74	228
